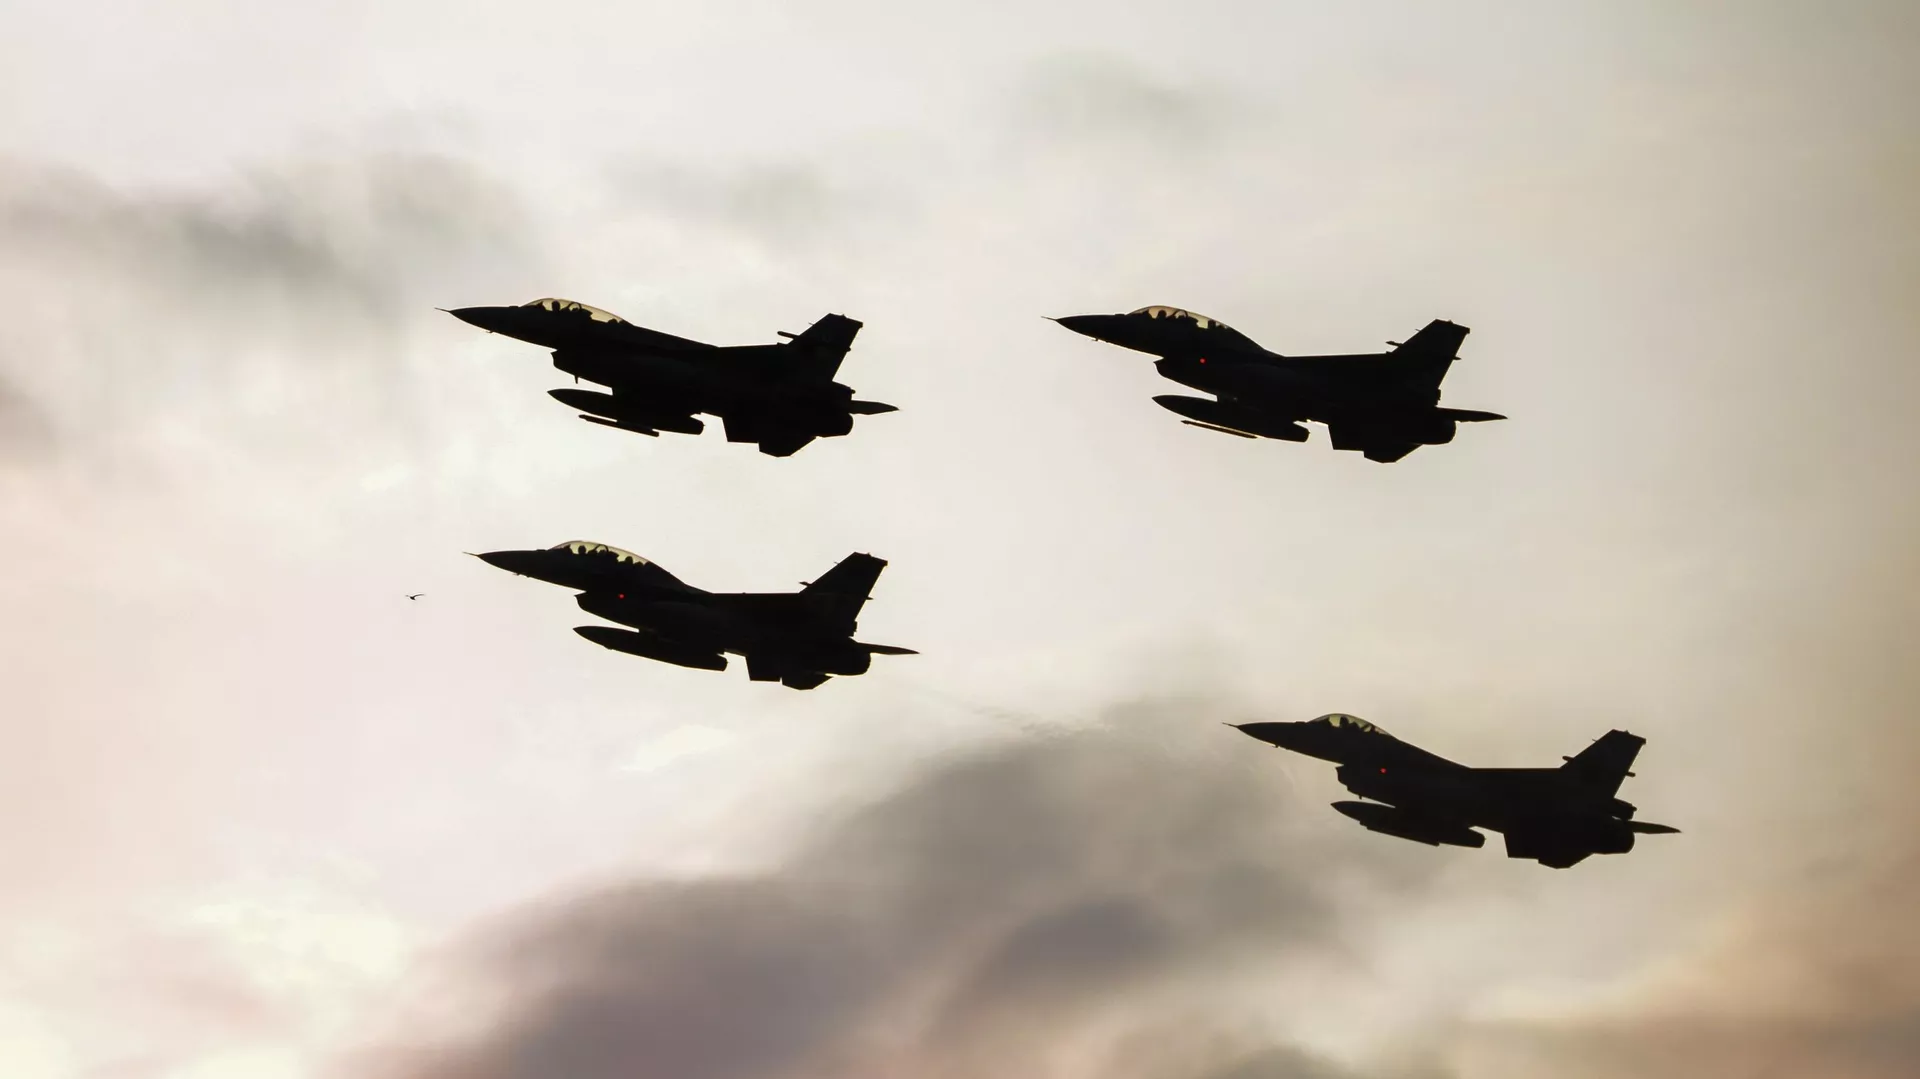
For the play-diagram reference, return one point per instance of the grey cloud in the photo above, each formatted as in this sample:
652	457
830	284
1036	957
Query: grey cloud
1681	1047
26	431
270	306
349	236
783	203
1281	1064
1100	99
989	906
837	197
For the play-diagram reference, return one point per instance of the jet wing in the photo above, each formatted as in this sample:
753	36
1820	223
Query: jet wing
653	409
643	394
761	363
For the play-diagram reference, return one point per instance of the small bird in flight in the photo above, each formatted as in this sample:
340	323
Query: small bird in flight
416	595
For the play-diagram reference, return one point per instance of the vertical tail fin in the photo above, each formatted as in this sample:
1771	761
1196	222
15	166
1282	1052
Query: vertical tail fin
820	347
1426	356
1604	764
840	592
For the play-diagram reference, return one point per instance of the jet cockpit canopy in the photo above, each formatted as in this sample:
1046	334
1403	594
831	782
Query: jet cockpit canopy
589	547
1160	311
1201	322
555	303
1341	719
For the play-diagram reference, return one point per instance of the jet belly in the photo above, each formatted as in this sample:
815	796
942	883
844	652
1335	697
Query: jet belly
694	623
790	635
642	371
1452	796
712	624
1267	385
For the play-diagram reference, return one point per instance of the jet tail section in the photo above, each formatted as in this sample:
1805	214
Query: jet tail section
1604	764
1426	356
824	344
843	590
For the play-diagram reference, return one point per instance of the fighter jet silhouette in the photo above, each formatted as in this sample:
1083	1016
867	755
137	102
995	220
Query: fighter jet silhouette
795	638
1384	404
1555	816
780	396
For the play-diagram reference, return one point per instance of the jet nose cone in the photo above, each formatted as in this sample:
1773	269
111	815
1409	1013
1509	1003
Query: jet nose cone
511	561
487	318
1271	733
1085	325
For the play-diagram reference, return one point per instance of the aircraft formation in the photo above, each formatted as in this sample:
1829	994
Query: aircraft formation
784	395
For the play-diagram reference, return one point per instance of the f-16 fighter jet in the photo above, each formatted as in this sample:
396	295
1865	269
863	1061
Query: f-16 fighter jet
780	396
1555	816
795	638
1384	404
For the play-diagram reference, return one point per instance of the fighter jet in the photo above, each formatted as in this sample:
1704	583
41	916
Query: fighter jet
1384	404
1555	816
795	638
780	396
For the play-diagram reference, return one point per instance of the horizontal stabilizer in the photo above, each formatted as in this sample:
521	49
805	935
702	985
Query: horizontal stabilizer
1649	828
870	408
1468	415
885	649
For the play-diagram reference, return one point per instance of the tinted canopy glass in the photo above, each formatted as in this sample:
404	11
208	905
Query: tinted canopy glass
555	303
1202	321
1341	719
589	547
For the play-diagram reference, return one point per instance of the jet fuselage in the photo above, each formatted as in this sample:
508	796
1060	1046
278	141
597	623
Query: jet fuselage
674	378
1555	815
780	396
741	623
1384	404
797	638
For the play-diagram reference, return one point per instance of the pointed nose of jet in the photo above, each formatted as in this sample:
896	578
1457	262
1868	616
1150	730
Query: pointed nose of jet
1277	734
492	319
520	562
1093	326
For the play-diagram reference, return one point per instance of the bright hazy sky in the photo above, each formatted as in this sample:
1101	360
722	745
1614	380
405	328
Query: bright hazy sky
261	817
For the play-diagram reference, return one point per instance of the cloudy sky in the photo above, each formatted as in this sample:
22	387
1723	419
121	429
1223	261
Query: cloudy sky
262	818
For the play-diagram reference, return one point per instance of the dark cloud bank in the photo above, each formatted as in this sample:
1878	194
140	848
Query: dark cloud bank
1137	901
1076	890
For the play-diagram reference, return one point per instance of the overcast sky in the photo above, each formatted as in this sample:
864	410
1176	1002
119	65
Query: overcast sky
261	817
